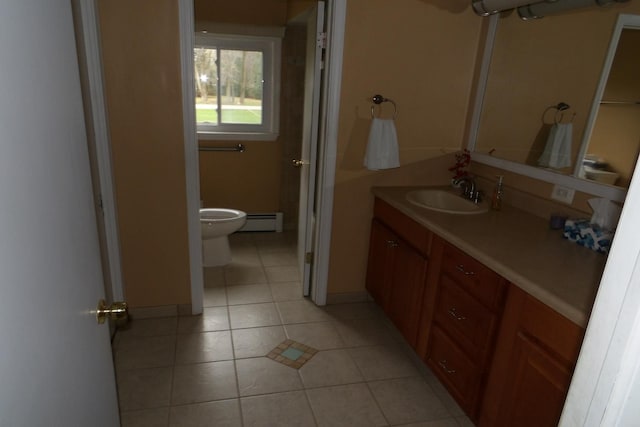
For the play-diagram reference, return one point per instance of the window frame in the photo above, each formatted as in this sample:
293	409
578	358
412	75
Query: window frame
270	47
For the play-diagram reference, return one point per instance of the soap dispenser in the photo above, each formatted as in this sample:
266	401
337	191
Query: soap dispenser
498	193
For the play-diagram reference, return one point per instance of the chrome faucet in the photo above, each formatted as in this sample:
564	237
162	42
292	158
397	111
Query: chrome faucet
469	191
468	186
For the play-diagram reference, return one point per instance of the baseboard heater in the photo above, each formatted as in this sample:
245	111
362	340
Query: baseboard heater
263	222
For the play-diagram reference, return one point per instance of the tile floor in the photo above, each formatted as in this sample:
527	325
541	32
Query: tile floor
211	370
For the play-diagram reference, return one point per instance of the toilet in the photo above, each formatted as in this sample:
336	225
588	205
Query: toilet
216	225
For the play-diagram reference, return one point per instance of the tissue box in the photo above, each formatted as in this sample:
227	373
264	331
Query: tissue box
591	236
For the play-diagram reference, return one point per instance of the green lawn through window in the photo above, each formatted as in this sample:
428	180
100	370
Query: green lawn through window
252	117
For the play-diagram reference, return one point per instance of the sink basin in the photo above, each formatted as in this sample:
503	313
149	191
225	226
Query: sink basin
444	201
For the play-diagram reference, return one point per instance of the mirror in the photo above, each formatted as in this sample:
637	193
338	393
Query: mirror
530	68
612	136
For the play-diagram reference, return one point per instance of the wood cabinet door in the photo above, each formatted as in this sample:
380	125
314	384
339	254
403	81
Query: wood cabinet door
537	388
405	300
535	354
380	265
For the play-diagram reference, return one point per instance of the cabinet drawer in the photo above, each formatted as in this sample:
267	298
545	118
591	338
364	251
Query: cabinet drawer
464	319
409	230
455	370
476	279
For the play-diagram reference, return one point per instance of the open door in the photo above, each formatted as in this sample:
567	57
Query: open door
307	162
91	80
56	366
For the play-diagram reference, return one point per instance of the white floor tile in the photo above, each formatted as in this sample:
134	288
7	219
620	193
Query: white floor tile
289	409
210	369
256	342
262	375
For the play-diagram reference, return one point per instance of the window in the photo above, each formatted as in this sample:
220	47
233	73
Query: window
237	86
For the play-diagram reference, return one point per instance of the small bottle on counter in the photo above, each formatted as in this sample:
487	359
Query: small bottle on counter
498	193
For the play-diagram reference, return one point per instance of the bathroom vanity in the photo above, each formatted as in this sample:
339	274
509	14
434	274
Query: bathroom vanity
494	303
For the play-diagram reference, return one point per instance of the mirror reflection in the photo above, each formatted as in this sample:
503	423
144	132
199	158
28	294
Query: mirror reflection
561	61
613	145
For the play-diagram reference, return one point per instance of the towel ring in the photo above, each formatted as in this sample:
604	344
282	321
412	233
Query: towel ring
559	114
379	99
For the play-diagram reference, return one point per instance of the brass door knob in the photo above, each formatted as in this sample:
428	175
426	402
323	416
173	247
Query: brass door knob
118	310
298	163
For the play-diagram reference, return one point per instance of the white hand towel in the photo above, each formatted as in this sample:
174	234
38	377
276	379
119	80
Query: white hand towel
382	148
557	152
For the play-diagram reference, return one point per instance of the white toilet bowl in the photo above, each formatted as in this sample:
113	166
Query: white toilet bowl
216	225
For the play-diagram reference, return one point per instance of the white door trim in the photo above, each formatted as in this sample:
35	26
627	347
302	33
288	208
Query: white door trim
93	55
192	174
328	142
310	141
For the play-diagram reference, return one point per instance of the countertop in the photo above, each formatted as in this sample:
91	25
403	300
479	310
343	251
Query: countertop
518	246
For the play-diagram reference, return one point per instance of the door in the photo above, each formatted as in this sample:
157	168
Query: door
382	249
537	386
55	364
96	121
310	126
409	274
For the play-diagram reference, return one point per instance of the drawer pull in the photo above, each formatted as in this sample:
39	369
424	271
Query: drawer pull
392	243
461	269
453	313
443	365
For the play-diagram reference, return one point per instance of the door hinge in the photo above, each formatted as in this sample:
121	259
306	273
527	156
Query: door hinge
308	258
322	40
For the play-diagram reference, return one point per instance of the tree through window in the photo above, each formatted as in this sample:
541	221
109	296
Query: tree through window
236	84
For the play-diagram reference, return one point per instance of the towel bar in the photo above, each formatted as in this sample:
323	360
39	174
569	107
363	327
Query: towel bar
240	148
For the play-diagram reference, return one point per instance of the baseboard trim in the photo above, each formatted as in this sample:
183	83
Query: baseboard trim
172	310
348	297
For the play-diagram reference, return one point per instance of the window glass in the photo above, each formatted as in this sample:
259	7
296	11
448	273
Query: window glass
241	86
237	85
204	61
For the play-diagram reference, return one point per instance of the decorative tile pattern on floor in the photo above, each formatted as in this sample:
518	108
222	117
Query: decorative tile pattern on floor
292	353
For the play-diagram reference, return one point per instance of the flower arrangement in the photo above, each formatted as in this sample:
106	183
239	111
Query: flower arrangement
463	158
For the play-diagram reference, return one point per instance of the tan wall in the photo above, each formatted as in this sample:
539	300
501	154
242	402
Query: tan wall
248	181
294	49
623	83
421	55
141	57
540	202
251	12
297	7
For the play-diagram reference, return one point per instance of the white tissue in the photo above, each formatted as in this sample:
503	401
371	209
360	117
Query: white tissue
605	213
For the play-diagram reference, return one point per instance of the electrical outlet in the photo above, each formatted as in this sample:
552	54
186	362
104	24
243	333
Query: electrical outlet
563	194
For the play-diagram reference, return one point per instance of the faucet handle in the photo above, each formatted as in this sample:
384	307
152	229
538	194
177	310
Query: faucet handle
465	188
476	196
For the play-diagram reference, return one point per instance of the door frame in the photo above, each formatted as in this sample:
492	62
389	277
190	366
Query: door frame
335	22
192	167
335	19
311	119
